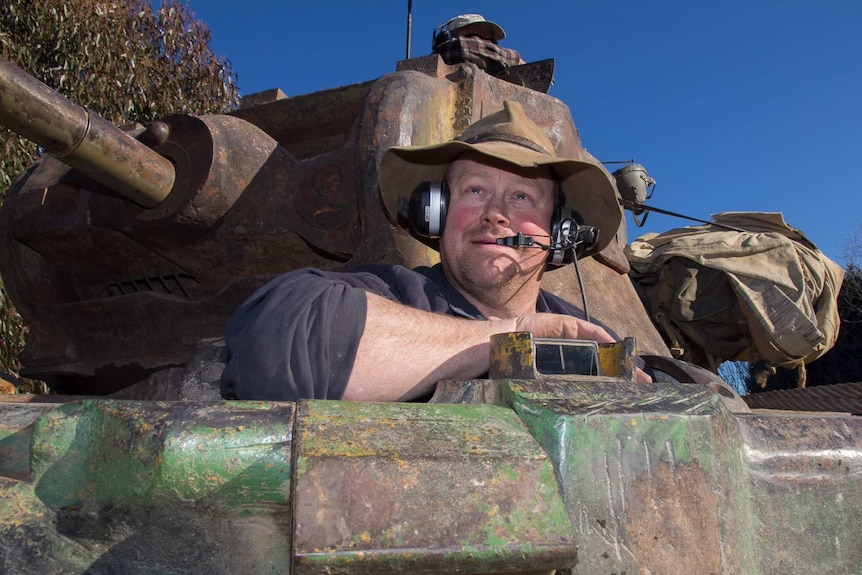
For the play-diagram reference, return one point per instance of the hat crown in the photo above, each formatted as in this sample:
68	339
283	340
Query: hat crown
473	24
510	125
463	20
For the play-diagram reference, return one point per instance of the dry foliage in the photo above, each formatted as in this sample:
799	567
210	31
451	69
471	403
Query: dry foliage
127	60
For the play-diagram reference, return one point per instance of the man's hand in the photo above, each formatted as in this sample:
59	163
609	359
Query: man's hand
548	325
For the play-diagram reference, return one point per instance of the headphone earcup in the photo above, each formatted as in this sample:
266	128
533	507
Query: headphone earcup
426	210
561	227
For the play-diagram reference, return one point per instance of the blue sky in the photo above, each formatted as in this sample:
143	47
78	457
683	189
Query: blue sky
731	106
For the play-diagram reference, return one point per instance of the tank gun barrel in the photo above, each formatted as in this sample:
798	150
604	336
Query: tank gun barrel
82	139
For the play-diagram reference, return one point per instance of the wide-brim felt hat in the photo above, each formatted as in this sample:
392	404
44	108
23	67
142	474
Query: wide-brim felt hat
511	137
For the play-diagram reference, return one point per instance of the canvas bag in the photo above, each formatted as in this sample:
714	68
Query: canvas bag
763	293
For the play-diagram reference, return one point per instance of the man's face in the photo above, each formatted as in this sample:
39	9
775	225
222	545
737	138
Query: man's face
488	201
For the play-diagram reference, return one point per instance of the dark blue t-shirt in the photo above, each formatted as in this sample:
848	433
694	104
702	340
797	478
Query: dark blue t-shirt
296	337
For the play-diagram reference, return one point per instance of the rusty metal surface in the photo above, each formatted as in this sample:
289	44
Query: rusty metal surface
389	488
618	476
618	359
310	124
663	479
842	397
469	391
538	76
672	370
116	487
513	355
642	473
804	481
597	394
81	138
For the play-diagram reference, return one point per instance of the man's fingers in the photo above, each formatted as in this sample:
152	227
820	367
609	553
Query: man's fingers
575	328
593	332
642	376
562	326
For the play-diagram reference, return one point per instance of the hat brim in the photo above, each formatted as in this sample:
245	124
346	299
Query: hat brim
487	30
587	187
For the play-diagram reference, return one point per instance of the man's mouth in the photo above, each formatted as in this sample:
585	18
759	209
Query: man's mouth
489	240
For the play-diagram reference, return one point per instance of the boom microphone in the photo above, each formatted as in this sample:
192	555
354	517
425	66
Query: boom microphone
578	238
520	241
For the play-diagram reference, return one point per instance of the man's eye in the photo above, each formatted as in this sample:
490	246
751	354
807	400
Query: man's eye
475	190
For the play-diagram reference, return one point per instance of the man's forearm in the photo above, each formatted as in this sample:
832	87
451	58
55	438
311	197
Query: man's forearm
404	351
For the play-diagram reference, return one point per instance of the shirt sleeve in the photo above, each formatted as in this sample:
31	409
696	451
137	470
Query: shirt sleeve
297	336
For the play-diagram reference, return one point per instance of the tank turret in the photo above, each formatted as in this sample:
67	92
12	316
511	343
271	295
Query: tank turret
127	248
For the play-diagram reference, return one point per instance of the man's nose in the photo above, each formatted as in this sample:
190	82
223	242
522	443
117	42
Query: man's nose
495	213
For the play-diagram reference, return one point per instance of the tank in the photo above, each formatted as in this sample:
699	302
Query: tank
127	250
279	184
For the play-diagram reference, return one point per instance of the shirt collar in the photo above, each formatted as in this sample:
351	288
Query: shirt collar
461	306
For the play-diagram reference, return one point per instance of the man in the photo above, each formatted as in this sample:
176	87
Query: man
471	38
386	333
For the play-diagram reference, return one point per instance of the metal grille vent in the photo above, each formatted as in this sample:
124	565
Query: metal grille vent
842	397
177	284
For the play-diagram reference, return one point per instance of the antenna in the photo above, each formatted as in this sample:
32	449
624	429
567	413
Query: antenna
636	187
409	24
